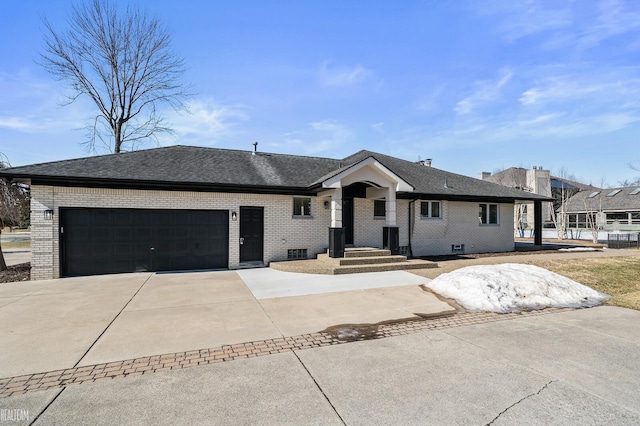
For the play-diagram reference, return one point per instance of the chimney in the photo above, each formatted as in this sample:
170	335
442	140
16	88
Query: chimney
255	148
484	175
428	162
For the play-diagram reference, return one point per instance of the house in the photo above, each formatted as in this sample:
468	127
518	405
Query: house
535	180
539	181
181	207
605	210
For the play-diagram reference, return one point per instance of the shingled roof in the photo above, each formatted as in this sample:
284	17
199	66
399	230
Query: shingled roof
610	199
212	169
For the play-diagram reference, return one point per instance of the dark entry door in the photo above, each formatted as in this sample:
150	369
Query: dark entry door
106	241
347	219
251	234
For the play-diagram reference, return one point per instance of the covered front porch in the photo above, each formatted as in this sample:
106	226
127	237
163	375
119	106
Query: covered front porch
367	179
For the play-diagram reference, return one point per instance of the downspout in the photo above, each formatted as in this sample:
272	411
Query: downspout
411	222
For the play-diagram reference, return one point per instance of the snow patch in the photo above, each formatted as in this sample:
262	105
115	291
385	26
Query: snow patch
578	249
512	287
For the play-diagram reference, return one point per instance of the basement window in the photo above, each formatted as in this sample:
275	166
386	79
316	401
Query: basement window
302	206
488	214
296	254
379	208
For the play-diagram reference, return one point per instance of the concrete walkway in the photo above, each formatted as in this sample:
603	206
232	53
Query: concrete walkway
74	322
572	367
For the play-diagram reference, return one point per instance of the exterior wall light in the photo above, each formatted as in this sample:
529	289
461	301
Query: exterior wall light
48	214
234	216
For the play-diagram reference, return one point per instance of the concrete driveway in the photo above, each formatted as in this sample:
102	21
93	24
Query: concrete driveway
74	322
574	367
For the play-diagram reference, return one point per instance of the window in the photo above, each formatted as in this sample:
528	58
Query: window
614	192
296	254
593	194
430	209
302	206
379	208
635	191
488	214
621	217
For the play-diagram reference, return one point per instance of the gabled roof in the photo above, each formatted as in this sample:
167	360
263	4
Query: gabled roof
625	199
213	169
439	183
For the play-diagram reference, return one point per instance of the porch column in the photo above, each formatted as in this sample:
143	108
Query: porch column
336	208
537	222
390	233
336	231
390	207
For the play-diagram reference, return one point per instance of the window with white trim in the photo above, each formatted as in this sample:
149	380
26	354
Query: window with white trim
430	209
488	214
379	208
302	206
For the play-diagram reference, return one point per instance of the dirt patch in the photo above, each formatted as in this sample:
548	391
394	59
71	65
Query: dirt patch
14	273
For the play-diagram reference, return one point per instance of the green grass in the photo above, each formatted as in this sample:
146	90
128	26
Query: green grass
618	277
16	245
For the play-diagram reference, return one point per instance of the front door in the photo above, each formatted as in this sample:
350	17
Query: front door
347	220
251	234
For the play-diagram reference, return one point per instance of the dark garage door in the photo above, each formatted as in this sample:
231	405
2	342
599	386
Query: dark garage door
105	241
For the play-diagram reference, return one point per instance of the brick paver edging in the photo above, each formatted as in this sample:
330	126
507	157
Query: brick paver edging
173	361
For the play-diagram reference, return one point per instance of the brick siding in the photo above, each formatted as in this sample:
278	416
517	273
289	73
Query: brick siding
458	224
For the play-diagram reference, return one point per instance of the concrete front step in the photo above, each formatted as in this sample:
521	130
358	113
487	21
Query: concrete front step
371	260
365	252
382	267
342	261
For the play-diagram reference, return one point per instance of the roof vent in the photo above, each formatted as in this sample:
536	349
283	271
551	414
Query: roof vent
428	162
446	184
255	148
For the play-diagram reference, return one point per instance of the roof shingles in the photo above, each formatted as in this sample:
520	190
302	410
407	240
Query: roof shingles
183	165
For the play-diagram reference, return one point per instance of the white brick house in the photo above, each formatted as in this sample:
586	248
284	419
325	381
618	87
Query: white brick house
195	208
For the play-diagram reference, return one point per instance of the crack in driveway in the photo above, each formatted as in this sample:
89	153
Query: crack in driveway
518	402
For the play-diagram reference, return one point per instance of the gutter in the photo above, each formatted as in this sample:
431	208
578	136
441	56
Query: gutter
411	222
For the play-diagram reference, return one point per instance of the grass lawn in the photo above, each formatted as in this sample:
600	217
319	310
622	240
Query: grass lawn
618	277
16	244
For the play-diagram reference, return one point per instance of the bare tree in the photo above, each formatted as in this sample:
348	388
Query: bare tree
122	60
13	204
592	218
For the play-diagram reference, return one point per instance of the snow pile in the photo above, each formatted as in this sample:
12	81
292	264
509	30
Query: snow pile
578	249
513	287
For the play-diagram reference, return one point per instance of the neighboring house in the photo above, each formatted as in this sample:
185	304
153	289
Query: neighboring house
538	181
535	180
186	207
609	210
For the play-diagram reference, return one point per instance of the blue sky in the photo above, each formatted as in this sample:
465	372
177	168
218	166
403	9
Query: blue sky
473	85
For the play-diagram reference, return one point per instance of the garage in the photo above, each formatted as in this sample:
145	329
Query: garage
106	241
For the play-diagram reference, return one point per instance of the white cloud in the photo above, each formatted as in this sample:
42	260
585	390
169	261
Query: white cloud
328	136
343	76
519	19
486	92
206	121
599	88
31	105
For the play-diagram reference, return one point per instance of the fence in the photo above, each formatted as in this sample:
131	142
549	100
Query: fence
623	241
